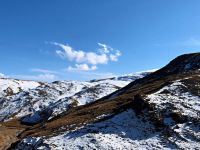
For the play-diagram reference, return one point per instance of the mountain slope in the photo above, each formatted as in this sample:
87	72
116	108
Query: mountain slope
9	87
33	98
159	111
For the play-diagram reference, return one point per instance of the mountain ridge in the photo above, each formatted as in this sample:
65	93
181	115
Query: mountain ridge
165	99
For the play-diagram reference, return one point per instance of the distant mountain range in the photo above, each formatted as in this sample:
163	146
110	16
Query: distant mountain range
19	98
150	110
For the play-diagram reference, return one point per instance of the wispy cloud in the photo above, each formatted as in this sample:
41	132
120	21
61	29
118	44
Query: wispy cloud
81	67
45	71
40	77
86	61
96	75
37	75
76	74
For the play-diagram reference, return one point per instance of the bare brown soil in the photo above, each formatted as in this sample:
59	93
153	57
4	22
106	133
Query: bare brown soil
9	133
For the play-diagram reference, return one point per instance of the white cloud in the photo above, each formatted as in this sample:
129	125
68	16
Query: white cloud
97	75
115	56
81	67
104	75
103	48
40	77
45	71
83	59
94	75
46	77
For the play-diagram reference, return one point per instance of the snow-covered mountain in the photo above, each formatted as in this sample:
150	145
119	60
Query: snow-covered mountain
158	111
20	98
9	87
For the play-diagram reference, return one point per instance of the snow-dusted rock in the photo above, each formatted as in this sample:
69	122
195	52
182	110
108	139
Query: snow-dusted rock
9	87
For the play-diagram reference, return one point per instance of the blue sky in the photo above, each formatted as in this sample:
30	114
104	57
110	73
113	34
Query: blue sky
80	40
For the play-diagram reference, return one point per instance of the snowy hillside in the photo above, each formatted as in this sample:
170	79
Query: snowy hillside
9	87
174	104
158	111
176	97
124	131
31	98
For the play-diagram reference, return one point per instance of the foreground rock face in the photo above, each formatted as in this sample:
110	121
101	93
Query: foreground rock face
167	116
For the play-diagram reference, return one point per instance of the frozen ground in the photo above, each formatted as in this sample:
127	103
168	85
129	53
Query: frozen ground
177	98
124	131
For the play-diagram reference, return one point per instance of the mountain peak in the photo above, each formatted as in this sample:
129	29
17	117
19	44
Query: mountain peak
183	63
